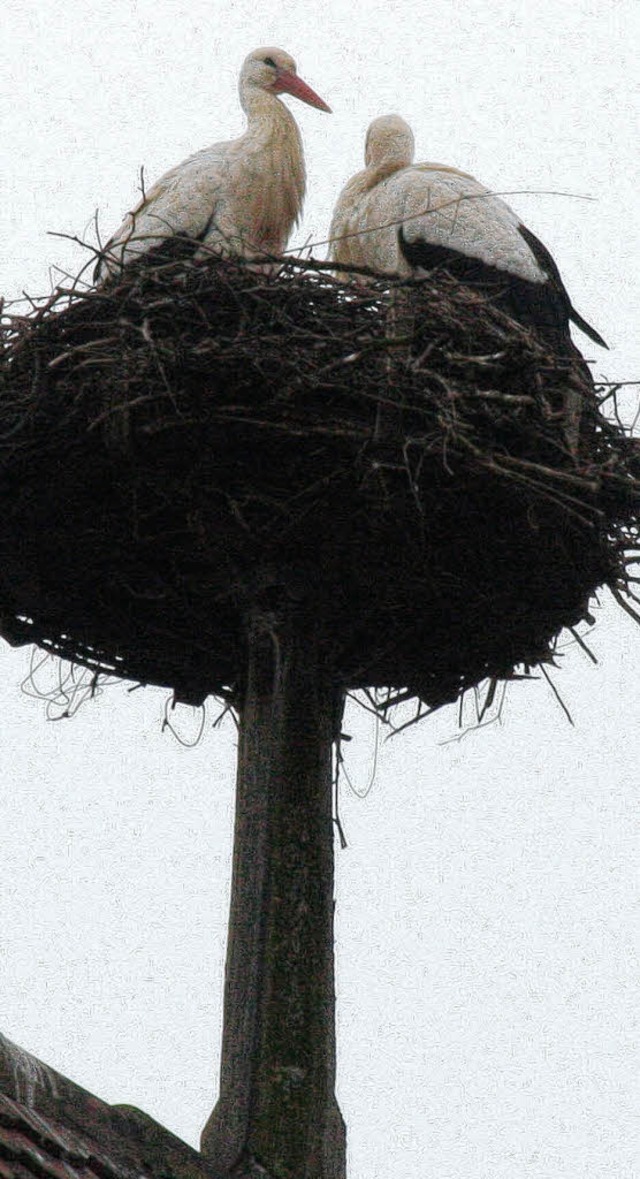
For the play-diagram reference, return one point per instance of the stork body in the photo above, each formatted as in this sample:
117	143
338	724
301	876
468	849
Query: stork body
242	196
401	218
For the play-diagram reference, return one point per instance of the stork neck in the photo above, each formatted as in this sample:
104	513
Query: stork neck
273	150
264	111
384	168
364	181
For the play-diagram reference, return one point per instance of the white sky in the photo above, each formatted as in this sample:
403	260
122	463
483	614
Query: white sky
489	901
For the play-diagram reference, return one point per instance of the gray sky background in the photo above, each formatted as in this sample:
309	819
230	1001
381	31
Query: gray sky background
489	900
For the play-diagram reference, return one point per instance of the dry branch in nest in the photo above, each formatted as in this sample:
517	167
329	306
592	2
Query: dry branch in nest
438	485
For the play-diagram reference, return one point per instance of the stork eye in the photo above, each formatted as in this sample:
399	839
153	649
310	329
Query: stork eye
270	62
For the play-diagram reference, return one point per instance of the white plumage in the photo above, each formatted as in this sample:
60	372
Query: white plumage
242	196
397	217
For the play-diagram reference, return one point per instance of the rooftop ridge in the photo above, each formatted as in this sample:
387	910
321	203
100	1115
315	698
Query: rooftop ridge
49	1125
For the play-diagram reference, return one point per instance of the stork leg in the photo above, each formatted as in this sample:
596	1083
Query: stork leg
277	1108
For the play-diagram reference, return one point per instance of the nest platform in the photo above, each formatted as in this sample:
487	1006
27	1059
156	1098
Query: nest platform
197	438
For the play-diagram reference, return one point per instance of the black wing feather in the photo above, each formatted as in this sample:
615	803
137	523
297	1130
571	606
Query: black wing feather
548	264
544	306
534	304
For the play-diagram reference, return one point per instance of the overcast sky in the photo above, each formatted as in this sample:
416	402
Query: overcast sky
489	899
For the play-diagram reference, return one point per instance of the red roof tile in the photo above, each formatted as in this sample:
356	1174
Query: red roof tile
51	1128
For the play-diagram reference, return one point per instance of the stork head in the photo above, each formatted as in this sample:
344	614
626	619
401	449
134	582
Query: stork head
389	143
275	71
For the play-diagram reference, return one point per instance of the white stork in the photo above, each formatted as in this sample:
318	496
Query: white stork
401	218
242	196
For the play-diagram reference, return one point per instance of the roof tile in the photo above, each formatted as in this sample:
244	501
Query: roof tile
51	1128
64	1142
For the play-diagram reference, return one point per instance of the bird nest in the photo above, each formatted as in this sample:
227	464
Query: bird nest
436	484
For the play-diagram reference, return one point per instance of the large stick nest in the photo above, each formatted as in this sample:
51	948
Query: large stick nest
197	440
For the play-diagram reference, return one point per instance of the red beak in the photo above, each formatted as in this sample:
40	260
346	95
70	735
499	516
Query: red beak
292	84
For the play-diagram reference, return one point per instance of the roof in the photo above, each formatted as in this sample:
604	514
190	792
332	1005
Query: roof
54	1129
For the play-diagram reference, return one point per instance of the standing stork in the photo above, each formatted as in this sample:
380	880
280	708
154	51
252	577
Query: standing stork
401	218
241	197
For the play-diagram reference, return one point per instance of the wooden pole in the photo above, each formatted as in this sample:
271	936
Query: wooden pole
277	1107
